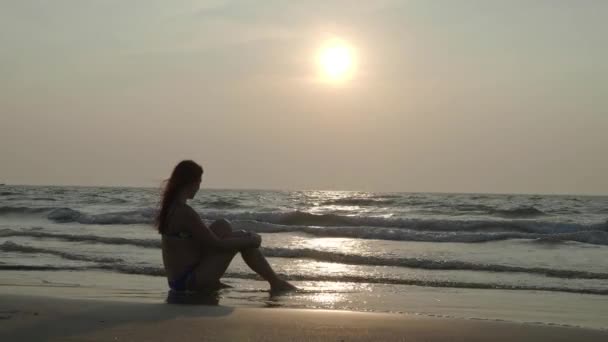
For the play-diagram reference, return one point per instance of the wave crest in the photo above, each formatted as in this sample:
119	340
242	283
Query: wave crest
521	212
221	204
301	253
405	229
9	246
359	201
428	264
64	215
146	243
23	210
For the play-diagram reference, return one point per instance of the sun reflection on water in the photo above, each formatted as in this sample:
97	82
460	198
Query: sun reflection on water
329	295
326	299
338	245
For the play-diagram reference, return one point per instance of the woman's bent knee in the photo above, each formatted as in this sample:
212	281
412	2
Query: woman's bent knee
222	228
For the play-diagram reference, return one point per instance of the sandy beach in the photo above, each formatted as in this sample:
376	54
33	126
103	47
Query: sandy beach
54	319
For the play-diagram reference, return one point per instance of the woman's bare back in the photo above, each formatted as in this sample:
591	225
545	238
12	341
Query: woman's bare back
180	250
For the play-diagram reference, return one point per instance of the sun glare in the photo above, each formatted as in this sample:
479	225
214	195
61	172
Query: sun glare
336	61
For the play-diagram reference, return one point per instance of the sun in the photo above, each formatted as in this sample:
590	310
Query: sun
336	61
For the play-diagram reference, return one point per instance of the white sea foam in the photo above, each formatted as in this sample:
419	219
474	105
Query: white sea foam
438	230
298	253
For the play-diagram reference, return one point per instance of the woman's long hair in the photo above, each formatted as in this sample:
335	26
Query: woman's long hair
184	173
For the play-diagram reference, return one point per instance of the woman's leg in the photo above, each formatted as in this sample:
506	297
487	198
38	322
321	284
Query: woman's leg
253	257
221	228
209	271
214	264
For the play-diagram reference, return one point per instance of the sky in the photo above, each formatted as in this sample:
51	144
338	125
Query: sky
445	96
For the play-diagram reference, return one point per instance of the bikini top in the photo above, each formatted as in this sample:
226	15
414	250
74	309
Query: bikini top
178	235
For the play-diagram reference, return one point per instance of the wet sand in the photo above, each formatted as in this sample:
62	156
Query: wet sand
54	319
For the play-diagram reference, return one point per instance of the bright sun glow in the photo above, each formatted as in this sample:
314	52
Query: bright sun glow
336	60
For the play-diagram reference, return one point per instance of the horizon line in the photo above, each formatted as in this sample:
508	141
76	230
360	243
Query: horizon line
311	189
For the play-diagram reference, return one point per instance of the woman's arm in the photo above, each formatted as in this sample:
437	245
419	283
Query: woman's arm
202	233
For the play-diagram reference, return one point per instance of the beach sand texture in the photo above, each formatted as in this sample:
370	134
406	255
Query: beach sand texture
54	319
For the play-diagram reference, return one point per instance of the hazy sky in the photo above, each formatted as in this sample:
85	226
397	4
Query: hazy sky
448	96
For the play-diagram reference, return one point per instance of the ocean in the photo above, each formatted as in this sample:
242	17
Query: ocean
539	259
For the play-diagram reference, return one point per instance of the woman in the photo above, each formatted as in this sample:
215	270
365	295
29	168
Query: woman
196	256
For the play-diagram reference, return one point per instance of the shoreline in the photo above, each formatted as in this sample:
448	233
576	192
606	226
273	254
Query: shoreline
47	318
517	307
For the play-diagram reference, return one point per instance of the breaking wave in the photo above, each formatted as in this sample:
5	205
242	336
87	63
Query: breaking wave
298	218
40	268
221	204
586	234
383	228
521	212
298	253
9	246
64	215
147	243
428	264
367	227
23	210
360	201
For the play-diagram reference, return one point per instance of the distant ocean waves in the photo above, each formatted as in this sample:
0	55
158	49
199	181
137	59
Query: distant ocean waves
334	225
373	202
296	253
146	215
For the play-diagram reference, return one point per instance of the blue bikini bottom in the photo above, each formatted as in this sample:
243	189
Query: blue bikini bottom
180	283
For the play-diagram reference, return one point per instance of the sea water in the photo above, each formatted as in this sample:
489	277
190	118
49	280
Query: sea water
528	258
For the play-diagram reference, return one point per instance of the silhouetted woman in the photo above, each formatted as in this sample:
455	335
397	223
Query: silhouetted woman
196	256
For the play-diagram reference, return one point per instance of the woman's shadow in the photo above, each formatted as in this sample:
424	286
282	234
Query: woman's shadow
62	318
211	298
